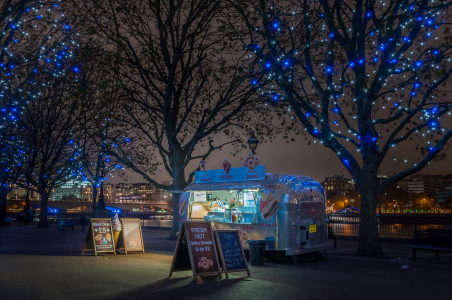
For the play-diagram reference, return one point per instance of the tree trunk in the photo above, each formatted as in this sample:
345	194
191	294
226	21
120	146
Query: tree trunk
27	200
3	197
43	214
179	183
369	239
94	204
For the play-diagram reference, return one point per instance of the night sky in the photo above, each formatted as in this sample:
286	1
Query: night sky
315	161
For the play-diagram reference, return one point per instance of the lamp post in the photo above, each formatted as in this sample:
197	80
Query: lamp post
253	142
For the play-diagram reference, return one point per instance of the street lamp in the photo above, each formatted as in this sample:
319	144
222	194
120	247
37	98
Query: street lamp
252	142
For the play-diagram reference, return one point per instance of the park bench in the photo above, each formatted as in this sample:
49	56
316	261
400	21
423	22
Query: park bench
332	236
23	218
69	223
431	240
7	221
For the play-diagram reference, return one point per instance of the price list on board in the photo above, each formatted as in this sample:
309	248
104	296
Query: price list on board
231	249
102	235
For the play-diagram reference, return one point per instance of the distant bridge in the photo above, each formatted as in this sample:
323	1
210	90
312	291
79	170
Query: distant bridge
75	204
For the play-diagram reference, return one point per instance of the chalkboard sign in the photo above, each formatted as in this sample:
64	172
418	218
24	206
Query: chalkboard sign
231	252
131	237
201	257
99	237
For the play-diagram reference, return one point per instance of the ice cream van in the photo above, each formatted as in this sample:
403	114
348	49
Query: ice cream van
287	211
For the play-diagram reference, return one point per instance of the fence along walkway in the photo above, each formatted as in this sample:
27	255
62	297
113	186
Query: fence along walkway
392	224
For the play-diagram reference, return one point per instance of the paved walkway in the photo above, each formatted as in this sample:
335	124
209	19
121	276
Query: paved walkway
47	264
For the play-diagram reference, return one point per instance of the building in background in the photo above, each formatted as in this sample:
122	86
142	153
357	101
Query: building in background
71	190
18	193
162	195
338	186
447	181
144	189
427	184
109	193
122	190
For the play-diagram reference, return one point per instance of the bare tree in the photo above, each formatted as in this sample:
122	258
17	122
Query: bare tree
100	125
48	129
179	68
362	77
35	44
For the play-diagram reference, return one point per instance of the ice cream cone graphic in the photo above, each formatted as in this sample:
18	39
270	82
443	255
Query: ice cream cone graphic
116	228
116	236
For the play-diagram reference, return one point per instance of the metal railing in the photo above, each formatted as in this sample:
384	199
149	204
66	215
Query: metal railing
159	223
393	225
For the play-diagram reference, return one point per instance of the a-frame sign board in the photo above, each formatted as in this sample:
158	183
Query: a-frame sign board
231	251
99	237
196	250
131	237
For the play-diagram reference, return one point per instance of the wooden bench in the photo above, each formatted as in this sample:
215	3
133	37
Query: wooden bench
431	240
331	235
69	223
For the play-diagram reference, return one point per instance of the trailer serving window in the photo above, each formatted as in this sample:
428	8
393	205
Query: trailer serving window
229	206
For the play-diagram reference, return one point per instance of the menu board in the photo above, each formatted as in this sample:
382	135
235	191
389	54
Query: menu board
202	247
197	236
99	237
231	252
131	236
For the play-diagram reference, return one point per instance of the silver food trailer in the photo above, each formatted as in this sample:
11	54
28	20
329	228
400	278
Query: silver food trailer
287	211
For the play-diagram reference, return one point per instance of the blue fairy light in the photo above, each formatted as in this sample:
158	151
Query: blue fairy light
254	82
268	65
346	163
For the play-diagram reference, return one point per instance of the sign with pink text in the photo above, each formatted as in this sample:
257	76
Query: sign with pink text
233	174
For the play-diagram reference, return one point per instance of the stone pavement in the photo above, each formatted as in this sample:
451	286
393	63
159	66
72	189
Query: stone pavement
47	264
